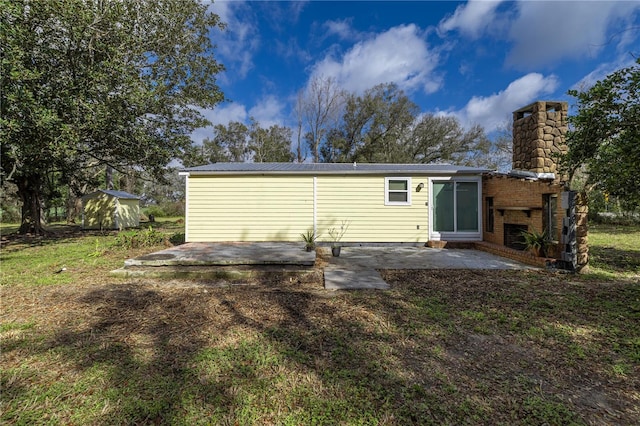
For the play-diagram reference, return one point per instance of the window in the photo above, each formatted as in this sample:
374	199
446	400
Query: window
489	214
549	222
455	206
397	191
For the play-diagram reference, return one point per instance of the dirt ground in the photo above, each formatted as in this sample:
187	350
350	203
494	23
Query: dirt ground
497	337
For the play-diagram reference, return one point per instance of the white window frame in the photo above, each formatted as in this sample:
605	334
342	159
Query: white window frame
386	191
455	235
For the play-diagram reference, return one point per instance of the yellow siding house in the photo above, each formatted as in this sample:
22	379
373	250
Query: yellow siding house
108	209
378	203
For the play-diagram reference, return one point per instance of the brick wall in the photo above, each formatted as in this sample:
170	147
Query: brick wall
518	255
517	201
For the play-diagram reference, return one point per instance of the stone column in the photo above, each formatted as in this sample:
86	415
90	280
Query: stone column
582	233
539	133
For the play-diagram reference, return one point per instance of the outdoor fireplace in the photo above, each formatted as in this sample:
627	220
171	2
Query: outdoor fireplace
513	235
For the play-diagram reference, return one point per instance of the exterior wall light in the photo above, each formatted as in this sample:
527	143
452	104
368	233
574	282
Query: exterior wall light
419	187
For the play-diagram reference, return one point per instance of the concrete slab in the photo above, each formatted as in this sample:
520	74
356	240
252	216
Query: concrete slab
356	268
408	257
337	278
222	254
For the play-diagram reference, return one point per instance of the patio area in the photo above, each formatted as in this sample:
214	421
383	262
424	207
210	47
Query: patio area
356	268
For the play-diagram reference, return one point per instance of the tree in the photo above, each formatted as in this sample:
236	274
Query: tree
385	126
606	132
319	109
270	145
501	151
239	143
443	139
298	110
86	84
230	143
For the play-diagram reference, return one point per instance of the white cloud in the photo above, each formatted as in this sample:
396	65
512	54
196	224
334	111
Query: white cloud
340	28
601	72
219	115
268	111
239	41
471	19
399	55
545	32
490	111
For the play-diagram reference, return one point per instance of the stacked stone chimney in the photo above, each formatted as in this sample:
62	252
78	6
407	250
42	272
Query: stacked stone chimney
539	133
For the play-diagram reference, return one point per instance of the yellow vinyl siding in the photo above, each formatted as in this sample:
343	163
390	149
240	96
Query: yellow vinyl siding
128	213
360	200
249	208
99	212
103	211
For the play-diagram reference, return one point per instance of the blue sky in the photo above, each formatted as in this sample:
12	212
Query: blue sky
478	60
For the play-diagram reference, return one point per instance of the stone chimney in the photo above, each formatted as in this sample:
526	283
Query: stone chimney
539	133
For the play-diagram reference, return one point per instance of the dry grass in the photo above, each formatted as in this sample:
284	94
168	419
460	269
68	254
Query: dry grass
441	347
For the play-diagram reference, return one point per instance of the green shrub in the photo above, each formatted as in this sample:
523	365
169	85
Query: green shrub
170	209
177	238
10	214
156	211
135	239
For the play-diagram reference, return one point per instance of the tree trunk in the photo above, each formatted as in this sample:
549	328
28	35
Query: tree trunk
32	219
74	208
109	177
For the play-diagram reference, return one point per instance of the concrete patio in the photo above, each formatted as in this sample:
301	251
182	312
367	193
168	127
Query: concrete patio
356	268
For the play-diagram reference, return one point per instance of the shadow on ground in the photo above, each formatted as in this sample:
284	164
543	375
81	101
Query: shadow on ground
441	347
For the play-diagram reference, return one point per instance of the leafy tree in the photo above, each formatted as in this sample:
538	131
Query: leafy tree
270	145
230	143
372	127
443	139
385	126
239	143
605	135
86	84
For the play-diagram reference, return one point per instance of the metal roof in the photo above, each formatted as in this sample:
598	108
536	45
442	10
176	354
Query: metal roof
117	194
332	168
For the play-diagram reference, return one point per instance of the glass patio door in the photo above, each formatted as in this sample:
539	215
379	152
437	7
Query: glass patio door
455	207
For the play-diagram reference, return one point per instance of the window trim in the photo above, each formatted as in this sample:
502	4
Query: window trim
386	191
490	220
549	218
455	235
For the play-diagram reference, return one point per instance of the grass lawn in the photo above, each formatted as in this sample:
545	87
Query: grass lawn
441	347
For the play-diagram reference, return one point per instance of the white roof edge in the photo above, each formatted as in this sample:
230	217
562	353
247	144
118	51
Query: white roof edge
334	172
531	175
114	193
359	172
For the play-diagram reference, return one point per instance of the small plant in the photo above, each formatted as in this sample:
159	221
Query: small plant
148	238
309	239
336	234
537	242
98	251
